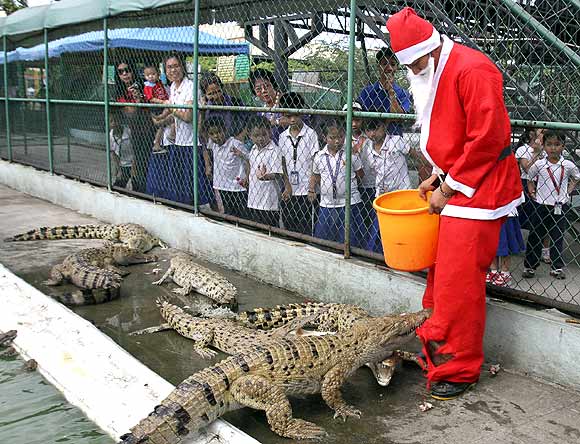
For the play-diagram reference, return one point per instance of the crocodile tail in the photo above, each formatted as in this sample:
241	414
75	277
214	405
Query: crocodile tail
190	406
88	296
90	277
62	232
268	318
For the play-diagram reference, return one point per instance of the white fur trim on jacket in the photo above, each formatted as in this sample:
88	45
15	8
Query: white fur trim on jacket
482	213
409	55
458	186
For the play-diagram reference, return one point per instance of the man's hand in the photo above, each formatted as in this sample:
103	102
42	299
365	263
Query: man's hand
208	172
437	202
427	185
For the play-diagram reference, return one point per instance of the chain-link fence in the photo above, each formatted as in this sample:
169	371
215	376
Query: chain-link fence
271	115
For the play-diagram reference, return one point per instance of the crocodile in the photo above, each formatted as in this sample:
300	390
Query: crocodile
264	377
94	269
194	277
6	344
226	335
134	236
230	337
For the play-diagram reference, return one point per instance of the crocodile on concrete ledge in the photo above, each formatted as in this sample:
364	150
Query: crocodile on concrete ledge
264	377
134	236
94	269
194	277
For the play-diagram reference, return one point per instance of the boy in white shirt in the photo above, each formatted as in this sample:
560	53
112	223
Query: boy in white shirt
225	167
388	158
556	179
329	170
265	171
298	145
121	148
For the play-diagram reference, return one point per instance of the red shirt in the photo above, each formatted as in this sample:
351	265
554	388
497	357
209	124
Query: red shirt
156	91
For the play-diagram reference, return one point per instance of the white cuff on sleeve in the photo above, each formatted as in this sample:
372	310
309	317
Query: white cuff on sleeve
458	186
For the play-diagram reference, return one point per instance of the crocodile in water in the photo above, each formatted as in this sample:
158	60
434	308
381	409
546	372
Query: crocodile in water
94	269
194	277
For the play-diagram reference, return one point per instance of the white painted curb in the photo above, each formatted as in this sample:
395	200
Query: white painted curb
108	384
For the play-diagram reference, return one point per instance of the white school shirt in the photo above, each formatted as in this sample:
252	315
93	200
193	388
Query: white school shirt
306	147
122	147
545	190
390	165
366	156
526	152
320	166
227	167
264	194
182	95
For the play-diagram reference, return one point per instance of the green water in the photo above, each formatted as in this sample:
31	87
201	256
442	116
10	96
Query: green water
32	411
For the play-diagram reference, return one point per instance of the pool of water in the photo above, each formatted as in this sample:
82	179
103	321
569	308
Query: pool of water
32	411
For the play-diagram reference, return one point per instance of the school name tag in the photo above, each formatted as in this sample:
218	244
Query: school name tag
294	178
558	209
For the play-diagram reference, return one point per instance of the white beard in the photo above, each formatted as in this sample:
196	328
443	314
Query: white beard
421	88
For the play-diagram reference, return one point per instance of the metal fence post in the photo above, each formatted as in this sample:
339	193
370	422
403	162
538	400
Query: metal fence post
47	99
106	100
349	96
6	99
195	105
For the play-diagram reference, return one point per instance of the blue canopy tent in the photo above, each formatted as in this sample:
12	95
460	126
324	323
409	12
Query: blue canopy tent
153	39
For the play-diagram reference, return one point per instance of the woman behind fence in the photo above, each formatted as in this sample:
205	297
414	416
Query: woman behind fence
179	172
129	89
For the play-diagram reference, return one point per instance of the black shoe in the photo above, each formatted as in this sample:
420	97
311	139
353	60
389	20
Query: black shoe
444	390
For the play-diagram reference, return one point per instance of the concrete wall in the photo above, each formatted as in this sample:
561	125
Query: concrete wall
525	340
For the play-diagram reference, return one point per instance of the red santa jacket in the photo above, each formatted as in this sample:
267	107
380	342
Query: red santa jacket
465	129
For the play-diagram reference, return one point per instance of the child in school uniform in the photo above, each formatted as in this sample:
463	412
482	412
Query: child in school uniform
265	173
388	158
329	170
298	145
121	148
363	145
225	166
556	179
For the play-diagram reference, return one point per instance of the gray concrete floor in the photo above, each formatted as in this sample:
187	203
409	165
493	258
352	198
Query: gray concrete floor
508	408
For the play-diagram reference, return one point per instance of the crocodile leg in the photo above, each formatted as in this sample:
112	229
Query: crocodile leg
202	337
117	270
167	274
260	393
330	392
183	291
56	276
155	329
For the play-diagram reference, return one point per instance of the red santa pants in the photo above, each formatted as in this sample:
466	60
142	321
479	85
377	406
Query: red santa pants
456	293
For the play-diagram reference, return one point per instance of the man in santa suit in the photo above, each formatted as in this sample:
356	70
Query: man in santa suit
465	135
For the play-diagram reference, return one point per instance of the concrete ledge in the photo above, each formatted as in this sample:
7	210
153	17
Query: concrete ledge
524	340
108	384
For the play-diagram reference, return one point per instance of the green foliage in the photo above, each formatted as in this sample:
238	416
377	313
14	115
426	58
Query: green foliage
10	6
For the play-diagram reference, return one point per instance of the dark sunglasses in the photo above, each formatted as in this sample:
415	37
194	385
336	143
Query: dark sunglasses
123	70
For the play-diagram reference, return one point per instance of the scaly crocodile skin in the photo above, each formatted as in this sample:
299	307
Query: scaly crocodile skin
264	377
94	269
132	235
193	277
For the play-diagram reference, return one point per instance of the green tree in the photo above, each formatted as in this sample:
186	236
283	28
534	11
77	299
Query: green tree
10	6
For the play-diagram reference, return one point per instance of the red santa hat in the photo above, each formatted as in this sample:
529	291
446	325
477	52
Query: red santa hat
411	36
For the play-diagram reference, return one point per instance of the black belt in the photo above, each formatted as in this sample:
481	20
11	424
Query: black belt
505	153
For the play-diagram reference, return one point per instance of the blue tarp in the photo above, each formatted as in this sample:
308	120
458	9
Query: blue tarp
154	39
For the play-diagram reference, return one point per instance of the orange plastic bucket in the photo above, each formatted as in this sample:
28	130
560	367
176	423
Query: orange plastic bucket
408	232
